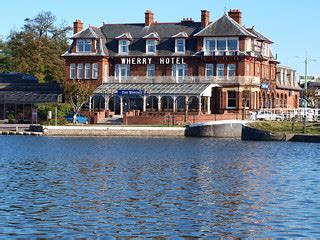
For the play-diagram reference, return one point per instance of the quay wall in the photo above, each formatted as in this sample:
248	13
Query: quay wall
113	131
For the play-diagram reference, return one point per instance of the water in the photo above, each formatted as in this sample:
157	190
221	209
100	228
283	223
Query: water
157	187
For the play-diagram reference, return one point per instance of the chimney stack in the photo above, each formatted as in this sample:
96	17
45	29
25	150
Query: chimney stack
205	18
236	15
149	18
77	26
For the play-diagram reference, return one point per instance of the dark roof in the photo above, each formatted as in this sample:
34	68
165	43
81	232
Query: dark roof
17	78
224	27
166	45
260	37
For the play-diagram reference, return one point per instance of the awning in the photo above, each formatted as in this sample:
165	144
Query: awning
22	97
162	89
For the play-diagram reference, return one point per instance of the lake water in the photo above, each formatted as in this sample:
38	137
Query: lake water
157	187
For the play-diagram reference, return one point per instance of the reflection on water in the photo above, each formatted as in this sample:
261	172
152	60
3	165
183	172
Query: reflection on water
92	187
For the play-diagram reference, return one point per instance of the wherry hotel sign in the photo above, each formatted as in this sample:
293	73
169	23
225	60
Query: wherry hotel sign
148	60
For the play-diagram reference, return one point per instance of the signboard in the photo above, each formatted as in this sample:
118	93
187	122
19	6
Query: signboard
264	86
34	115
148	60
130	92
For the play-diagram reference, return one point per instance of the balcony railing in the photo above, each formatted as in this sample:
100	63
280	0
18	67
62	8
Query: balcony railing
241	80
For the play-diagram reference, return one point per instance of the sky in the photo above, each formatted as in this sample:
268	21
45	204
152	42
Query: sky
293	25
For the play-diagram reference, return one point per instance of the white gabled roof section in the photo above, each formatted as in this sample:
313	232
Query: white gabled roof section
153	35
125	35
208	91
181	35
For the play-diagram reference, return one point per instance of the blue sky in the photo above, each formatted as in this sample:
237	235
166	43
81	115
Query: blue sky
292	24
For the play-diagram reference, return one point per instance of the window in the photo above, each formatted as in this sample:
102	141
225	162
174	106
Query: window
123	46
220	70
150	70
87	70
180	45
232	99
122	70
80	71
151	46
72	71
209	70
231	70
95	71
232	44
210	45
84	45
179	71
221	45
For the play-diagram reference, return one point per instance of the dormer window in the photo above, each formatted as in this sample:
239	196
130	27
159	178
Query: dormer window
151	46
123	46
180	46
84	45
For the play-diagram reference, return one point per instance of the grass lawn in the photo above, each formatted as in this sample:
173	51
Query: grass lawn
286	127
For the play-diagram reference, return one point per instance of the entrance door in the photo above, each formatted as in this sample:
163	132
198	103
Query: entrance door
216	100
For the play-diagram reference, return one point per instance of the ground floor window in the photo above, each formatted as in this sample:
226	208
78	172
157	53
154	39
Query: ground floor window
232	99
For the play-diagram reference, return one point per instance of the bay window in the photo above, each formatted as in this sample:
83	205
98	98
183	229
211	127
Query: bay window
221	44
72	71
232	44
80	71
84	45
210	45
87	70
232	99
95	71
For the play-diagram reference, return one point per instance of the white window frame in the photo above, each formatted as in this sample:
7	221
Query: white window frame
151	43
123	46
215	40
176	68
233	50
122	68
73	72
234	68
177	45
80	71
151	68
220	67
82	45
87	71
205	45
95	71
228	99
209	67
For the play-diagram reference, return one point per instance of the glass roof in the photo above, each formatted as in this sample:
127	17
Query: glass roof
184	89
21	97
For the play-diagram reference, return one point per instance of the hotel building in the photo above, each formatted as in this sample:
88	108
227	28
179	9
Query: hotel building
203	68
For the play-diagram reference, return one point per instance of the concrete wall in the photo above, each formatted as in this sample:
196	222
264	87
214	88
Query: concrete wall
113	131
231	129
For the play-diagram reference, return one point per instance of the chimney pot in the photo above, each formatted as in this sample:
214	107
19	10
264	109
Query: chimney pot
205	18
236	15
77	26
149	18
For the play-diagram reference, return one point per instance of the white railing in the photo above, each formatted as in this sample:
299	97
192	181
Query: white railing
188	79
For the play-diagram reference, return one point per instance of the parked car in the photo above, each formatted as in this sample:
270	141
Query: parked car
80	119
265	115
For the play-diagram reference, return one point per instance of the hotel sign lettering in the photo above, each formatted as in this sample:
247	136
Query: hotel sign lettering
147	60
130	92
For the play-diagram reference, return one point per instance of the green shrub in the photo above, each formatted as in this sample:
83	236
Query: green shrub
44	108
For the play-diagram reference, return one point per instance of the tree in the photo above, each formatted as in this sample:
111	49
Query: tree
38	47
77	93
4	57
